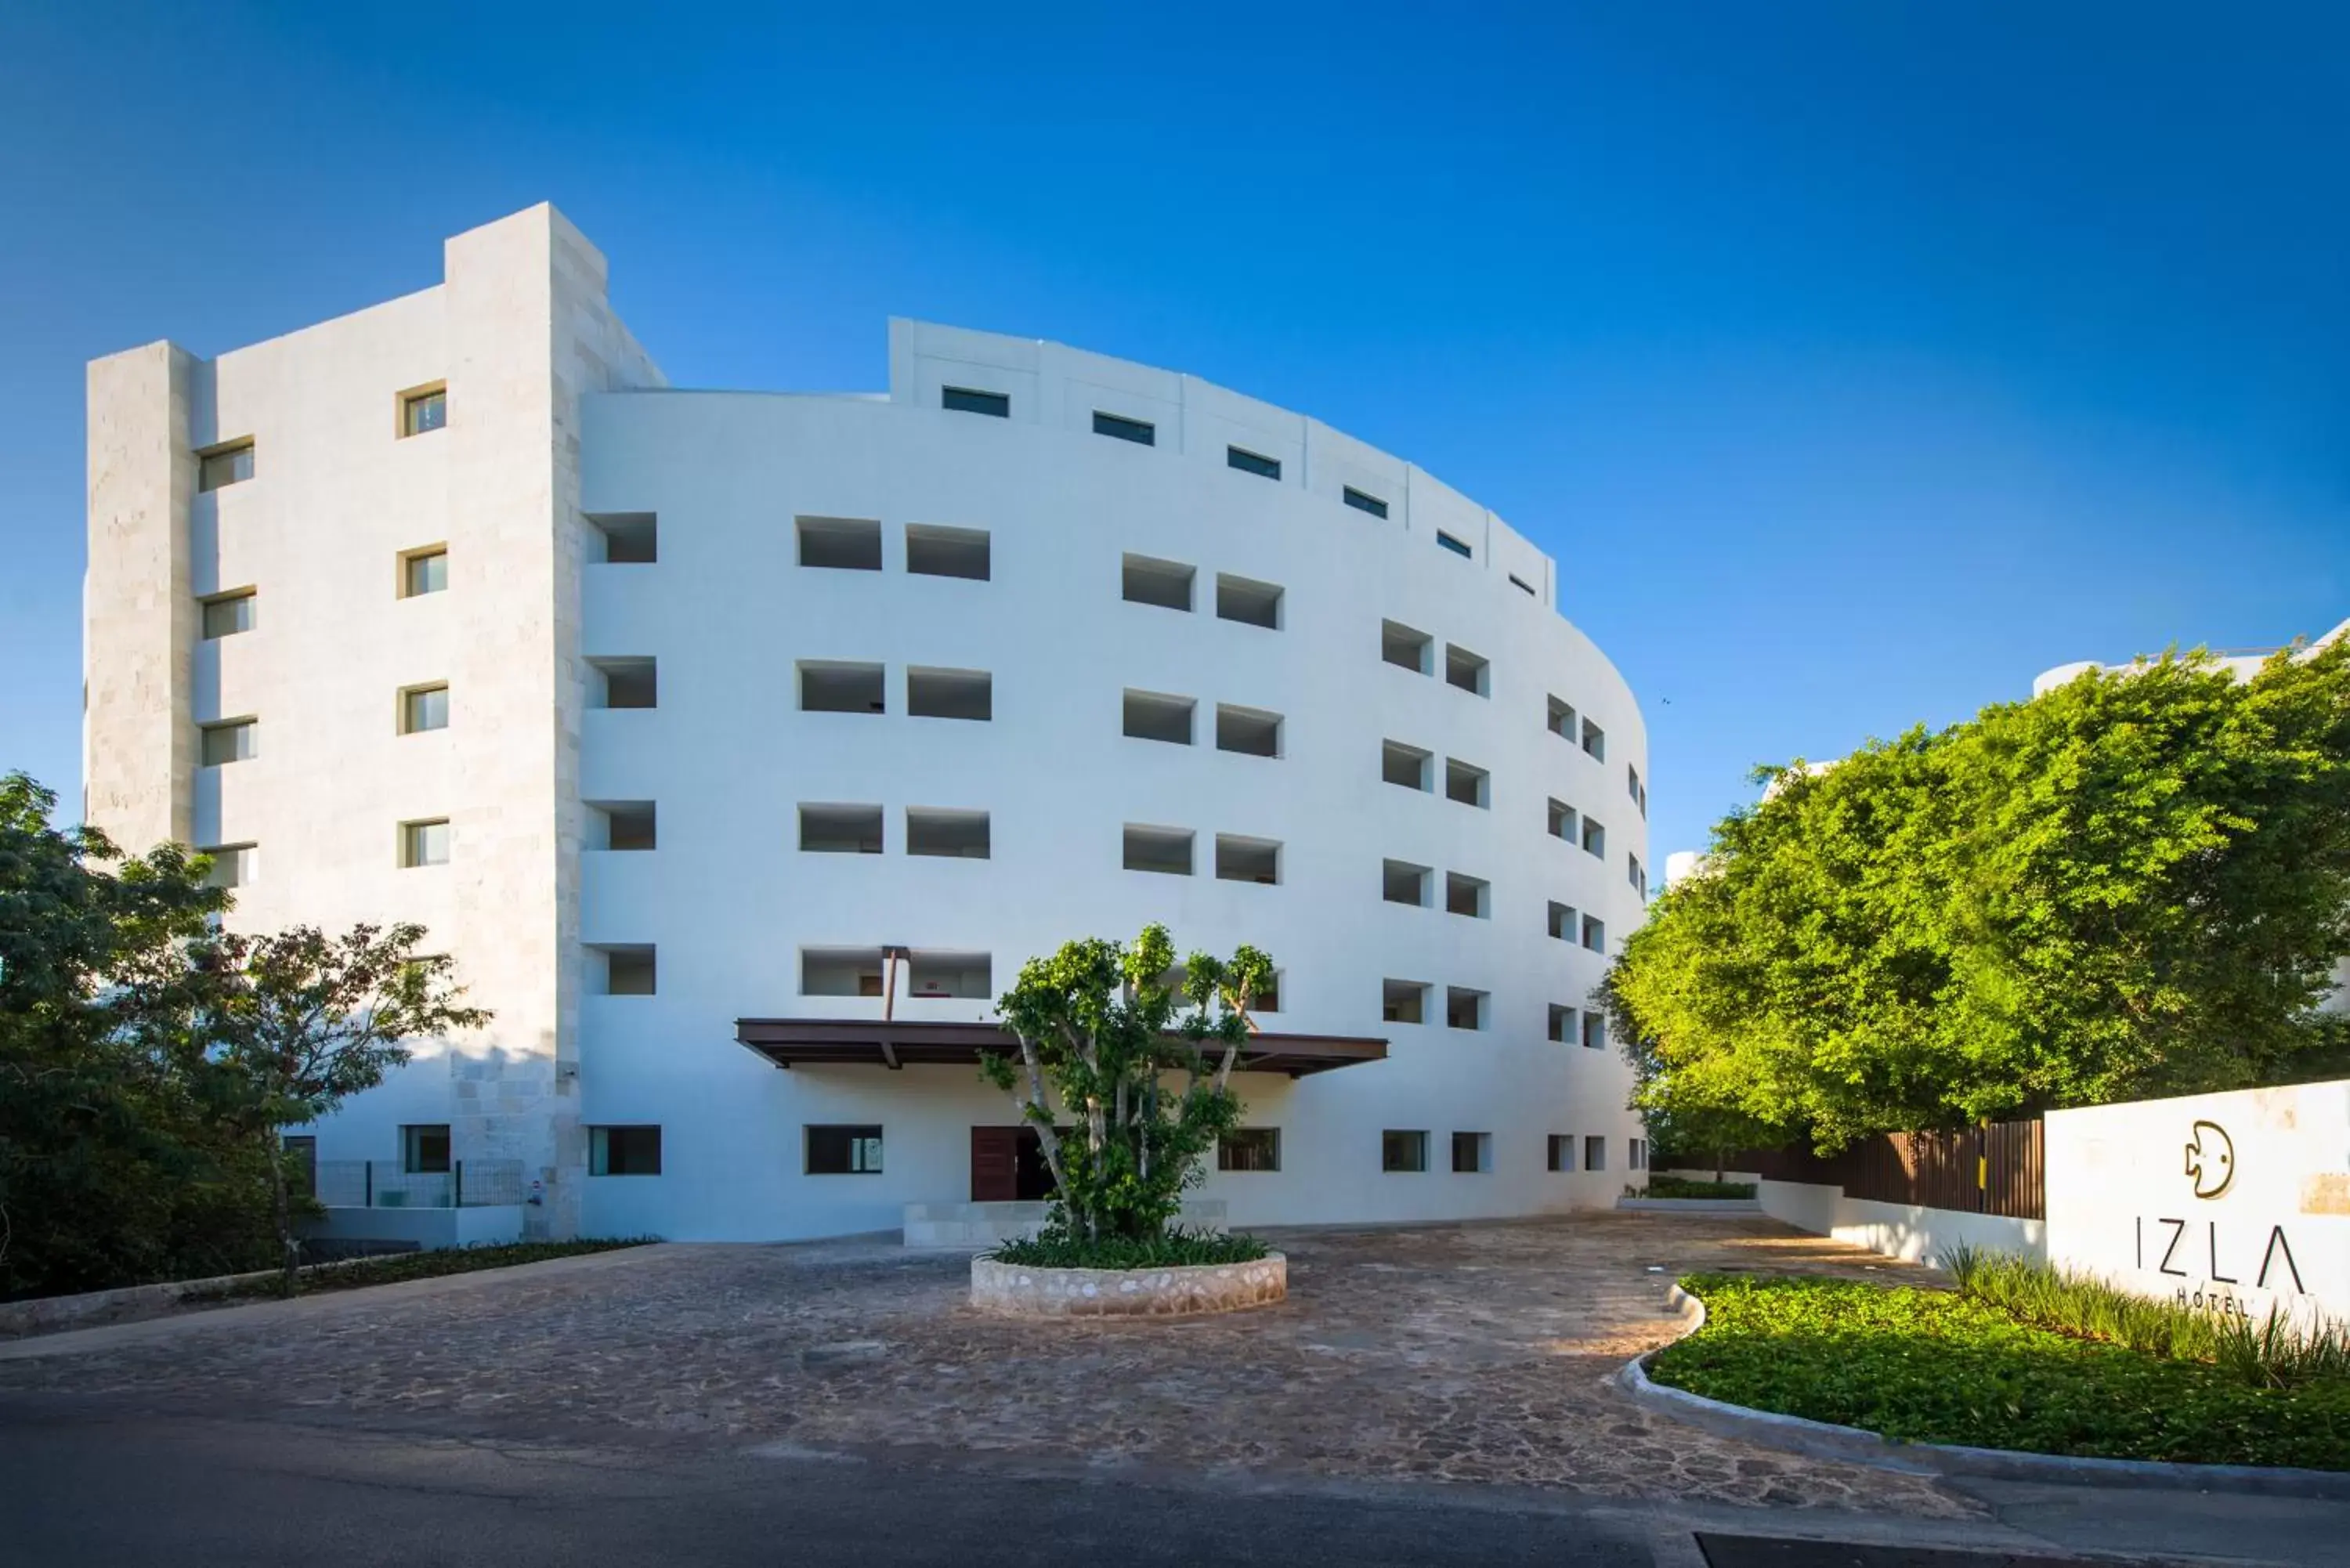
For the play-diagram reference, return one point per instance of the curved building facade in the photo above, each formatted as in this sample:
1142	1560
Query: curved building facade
784	728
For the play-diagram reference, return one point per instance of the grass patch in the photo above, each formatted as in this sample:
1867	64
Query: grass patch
1682	1187
392	1268
1939	1366
1176	1250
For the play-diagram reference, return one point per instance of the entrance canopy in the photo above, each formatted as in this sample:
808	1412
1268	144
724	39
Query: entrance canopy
894	1044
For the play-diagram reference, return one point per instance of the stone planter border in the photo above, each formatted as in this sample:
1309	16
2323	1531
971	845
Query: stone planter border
1016	1290
1854	1445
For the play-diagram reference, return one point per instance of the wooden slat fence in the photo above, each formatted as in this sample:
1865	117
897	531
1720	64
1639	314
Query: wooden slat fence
1994	1169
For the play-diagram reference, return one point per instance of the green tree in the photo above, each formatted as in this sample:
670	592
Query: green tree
2136	884
293	1023
1104	1031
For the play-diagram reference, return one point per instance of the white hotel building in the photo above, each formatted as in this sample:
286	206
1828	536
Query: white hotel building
740	746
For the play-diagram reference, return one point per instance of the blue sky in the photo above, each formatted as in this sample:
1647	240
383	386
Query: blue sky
1856	362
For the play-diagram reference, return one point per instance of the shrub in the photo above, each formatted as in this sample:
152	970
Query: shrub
1682	1187
1173	1250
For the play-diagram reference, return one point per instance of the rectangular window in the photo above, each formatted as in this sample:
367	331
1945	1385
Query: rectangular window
1640	1155
1594	740
1401	882
424	708
622	824
1147	581
237	741
1455	545
950	694
1562	921
1594	838
1249	1149
1562	1151
224	466
1406	765
1141	432
1406	649
1561	718
1562	1024
1472	1152
1594	1154
1636	874
423	411
946	975
1248	601
1595	1031
936	552
1632	787
971	401
843	1151
1464	783
624	683
624	1151
1252	732
840	971
424	843
1364	502
839	543
424	1151
1404	1151
1468	671
1466	895
631	969
226	614
424	571
1595	934
1154	716
232	865
624	538
1254	462
840	829
1403	1000
953	835
1463	1008
1561	820
1166	850
1522	586
829	688
1242	859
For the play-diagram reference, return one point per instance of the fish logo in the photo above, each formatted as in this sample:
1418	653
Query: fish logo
2210	1159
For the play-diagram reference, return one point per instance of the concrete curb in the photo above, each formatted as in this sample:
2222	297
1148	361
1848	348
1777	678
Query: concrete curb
38	1315
1825	1440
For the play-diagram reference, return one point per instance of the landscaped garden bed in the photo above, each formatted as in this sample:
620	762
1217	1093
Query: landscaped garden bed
396	1268
1683	1187
1970	1367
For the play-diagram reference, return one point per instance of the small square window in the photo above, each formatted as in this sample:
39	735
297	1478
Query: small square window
424	411
1594	838
950	694
424	571
1249	1149
424	843
1595	934
840	829
1401	882
829	688
624	538
1252	732
1465	783
952	834
1562	1024
237	741
971	401
1403	1000
1248	601
1254	462
1562	1151
1472	1152
1463	1008
1594	740
622	824
424	708
424	1151
839	543
1403	1151
1562	921
1361	502
1139	432
1471	672
624	969
1563	823
843	1151
1636	874
1561	718
1166	850
1466	895
1595	1031
232	865
1594	1154
1154	716
1406	649
1639	1150
624	1151
1455	545
624	683
1147	581
936	552
1406	765
228	465
226	614
1242	859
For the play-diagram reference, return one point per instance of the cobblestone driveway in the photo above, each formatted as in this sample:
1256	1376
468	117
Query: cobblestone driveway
1466	1354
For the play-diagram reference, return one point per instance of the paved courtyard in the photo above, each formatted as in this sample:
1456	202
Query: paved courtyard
1475	1354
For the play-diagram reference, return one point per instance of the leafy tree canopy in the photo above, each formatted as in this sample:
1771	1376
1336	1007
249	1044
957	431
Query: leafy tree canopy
2136	884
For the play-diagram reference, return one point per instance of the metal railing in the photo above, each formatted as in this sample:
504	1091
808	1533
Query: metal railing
385	1184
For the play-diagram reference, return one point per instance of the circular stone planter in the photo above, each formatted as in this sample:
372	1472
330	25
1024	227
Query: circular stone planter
1020	1291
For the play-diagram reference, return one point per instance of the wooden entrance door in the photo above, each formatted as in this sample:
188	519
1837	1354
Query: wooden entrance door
996	1164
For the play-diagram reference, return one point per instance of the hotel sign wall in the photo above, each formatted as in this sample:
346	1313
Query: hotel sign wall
2231	1203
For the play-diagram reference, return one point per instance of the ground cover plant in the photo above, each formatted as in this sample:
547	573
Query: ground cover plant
1942	1366
1176	1250
393	1267
1684	1187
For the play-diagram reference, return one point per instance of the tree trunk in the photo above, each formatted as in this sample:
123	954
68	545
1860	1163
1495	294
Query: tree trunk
290	1254
1721	1164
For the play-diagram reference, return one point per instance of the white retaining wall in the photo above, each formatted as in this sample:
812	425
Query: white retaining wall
1905	1230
